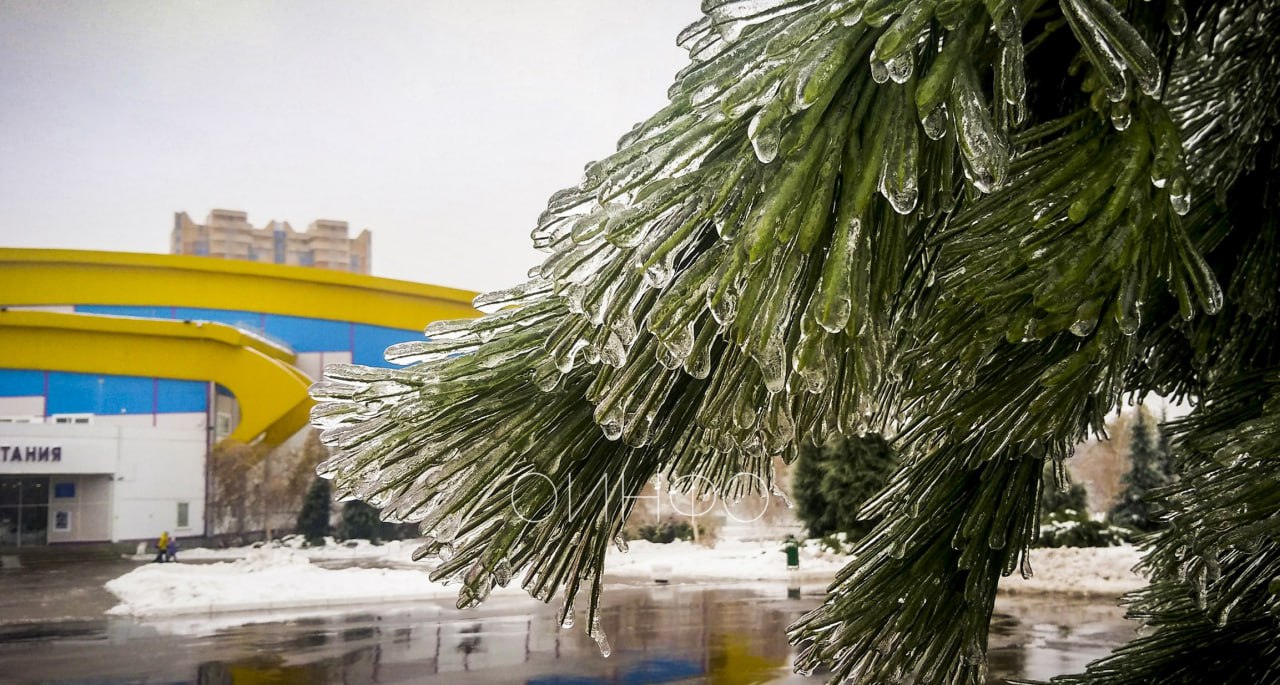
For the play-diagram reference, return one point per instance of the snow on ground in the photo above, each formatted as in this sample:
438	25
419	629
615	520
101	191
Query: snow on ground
266	580
729	560
282	576
390	553
1079	571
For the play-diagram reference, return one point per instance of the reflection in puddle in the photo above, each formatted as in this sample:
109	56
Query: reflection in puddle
668	634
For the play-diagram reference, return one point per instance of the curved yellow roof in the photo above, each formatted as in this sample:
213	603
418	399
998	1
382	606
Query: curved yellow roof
272	393
77	277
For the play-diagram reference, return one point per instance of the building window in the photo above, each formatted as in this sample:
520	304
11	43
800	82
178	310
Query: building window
222	425
79	419
184	514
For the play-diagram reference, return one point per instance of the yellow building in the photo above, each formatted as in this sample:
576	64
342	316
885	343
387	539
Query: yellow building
227	234
119	372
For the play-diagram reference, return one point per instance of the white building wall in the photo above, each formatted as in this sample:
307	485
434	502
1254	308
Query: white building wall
180	421
131	420
151	470
87	512
22	406
159	469
183	421
313	363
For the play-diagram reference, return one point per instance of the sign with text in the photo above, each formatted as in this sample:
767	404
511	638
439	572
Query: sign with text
56	455
30	453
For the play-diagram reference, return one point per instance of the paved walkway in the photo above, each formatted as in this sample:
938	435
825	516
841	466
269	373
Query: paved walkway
55	589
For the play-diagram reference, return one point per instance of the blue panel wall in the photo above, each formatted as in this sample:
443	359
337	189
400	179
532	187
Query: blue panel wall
365	342
82	393
371	341
21	383
176	397
309	335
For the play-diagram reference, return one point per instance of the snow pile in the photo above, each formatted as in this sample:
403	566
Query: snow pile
1079	571
729	560
265	580
393	552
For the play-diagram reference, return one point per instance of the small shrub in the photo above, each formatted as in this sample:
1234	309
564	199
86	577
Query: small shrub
835	543
1069	529
667	531
361	521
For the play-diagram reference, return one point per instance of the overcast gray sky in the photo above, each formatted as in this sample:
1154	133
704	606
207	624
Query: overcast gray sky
442	125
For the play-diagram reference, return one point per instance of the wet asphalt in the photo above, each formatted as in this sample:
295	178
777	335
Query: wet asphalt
53	630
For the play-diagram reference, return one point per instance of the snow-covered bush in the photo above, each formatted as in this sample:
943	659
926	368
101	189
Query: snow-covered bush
666	531
1069	530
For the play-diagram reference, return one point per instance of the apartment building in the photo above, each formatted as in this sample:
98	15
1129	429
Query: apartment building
226	233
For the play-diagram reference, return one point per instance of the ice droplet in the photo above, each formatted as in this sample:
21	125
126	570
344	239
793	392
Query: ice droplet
1013	78
900	66
765	132
898	182
983	149
1121	116
602	641
1083	327
879	70
725	309
1180	195
934	123
502	573
1176	17
425	550
1161	170
611	425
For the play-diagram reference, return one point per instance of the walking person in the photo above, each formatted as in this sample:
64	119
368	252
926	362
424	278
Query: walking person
171	551
162	547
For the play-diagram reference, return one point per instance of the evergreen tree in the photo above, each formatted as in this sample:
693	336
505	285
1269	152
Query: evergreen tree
833	480
313	519
971	227
1151	469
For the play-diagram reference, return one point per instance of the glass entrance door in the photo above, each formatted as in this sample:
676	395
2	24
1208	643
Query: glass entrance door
24	510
